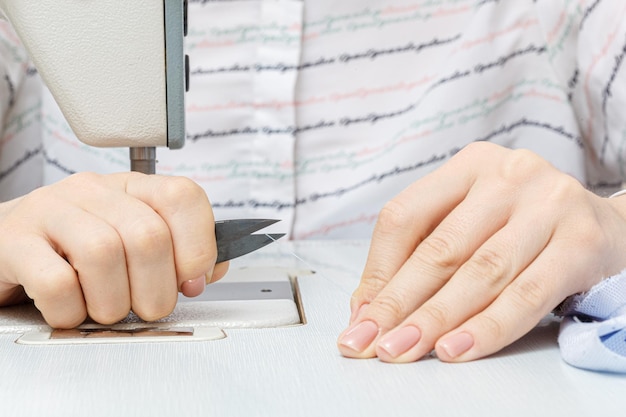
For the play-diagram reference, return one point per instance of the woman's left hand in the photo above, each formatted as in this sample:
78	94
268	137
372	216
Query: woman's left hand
471	257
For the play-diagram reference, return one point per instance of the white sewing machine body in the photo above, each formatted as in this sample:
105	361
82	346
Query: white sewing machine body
115	67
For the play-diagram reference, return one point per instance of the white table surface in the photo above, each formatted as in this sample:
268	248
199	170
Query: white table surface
297	371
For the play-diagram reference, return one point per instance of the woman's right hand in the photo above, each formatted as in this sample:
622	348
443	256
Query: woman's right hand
102	245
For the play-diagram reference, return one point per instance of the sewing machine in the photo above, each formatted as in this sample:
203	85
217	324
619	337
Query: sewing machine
116	68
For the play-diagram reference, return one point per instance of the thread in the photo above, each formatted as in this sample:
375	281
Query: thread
316	271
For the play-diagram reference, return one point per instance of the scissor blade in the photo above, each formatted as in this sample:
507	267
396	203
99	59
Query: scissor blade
231	230
227	250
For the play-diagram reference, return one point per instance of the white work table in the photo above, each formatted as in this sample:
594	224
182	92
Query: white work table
297	370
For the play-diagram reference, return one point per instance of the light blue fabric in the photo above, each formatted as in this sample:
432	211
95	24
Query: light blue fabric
615	341
593	330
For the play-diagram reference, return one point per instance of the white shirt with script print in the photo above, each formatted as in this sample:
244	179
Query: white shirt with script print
318	112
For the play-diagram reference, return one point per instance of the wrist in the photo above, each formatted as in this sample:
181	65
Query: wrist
618	202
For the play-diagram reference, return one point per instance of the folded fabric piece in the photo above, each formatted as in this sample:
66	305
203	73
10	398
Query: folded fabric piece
593	330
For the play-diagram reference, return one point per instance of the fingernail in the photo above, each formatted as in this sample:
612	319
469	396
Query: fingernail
360	336
457	344
399	341
194	287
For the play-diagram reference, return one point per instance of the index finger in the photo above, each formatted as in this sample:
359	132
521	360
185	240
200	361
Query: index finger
410	217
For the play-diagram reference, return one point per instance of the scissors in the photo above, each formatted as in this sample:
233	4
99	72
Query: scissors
235	237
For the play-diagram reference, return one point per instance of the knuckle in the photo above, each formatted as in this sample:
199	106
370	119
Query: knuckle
440	250
50	296
487	265
177	189
394	215
155	310
436	315
58	282
473	150
100	248
82	178
150	235
475	153
108	314
389	309
81	182
64	322
529	294
521	164
37	199
36	196
371	285
494	328
564	190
